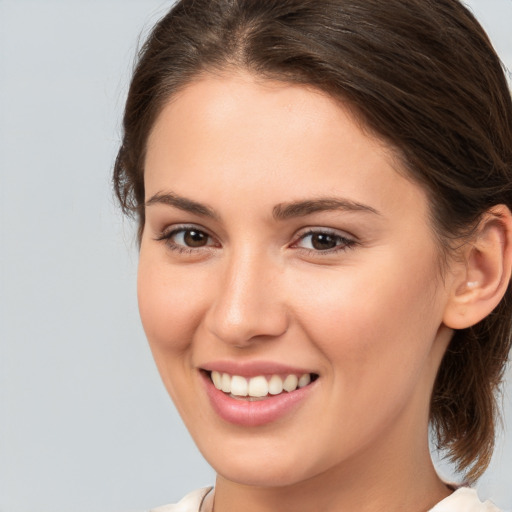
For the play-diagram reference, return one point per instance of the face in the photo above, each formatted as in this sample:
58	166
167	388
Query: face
283	249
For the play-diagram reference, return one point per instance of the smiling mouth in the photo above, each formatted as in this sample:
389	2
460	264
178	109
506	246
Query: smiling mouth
259	387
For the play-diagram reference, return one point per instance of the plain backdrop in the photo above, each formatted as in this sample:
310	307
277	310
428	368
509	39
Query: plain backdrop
85	424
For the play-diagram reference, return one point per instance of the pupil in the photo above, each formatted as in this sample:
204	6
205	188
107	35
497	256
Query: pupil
195	238
323	241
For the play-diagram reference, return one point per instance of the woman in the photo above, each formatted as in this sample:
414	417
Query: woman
323	190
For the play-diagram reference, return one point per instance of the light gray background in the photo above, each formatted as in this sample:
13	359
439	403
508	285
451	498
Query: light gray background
85	425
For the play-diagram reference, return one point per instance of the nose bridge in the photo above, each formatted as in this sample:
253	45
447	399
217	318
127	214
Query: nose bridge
245	306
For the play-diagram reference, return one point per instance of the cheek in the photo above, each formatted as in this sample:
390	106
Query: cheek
369	321
169	305
170	310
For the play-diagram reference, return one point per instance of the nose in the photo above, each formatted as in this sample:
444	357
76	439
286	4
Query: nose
247	305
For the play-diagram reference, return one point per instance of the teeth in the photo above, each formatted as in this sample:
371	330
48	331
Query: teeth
304	380
258	387
290	383
239	386
217	380
226	383
275	385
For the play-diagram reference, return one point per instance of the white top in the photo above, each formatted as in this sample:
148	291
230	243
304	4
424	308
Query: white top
462	500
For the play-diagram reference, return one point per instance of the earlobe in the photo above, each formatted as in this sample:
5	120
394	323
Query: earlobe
482	282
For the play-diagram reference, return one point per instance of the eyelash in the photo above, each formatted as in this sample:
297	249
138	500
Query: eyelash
344	242
167	237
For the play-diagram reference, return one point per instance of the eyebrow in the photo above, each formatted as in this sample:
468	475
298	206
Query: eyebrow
285	211
281	211
182	203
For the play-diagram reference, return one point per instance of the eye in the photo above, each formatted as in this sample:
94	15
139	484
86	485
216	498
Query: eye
323	241
187	239
190	238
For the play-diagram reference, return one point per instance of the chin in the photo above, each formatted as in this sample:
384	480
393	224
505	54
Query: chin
260	475
265	464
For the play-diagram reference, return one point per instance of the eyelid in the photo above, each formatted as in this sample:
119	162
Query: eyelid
166	235
169	232
348	240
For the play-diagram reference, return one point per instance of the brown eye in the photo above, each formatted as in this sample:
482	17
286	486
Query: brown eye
194	238
323	241
187	239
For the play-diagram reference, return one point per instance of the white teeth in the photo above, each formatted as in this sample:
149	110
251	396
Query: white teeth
259	386
304	380
217	380
275	385
239	386
226	383
290	383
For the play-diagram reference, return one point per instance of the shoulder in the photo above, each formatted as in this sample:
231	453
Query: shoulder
190	503
464	500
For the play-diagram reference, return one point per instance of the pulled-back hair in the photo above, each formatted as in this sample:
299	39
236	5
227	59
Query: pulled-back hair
420	75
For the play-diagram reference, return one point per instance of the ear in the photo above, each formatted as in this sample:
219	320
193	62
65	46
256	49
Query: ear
483	274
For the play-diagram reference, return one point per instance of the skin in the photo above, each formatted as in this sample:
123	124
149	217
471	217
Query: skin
367	318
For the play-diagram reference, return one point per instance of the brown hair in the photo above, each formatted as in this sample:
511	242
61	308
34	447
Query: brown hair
421	75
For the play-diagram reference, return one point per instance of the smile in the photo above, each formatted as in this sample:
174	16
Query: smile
260	386
264	395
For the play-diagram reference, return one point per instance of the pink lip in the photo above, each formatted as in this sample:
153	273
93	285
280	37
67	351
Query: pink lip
252	414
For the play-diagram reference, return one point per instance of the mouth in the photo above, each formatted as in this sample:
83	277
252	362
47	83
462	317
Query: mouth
259	387
257	393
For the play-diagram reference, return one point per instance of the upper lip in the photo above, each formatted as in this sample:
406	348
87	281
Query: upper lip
253	368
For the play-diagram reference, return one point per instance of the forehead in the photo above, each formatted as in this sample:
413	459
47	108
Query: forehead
246	101
236	132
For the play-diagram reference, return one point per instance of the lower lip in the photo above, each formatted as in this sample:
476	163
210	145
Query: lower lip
253	414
